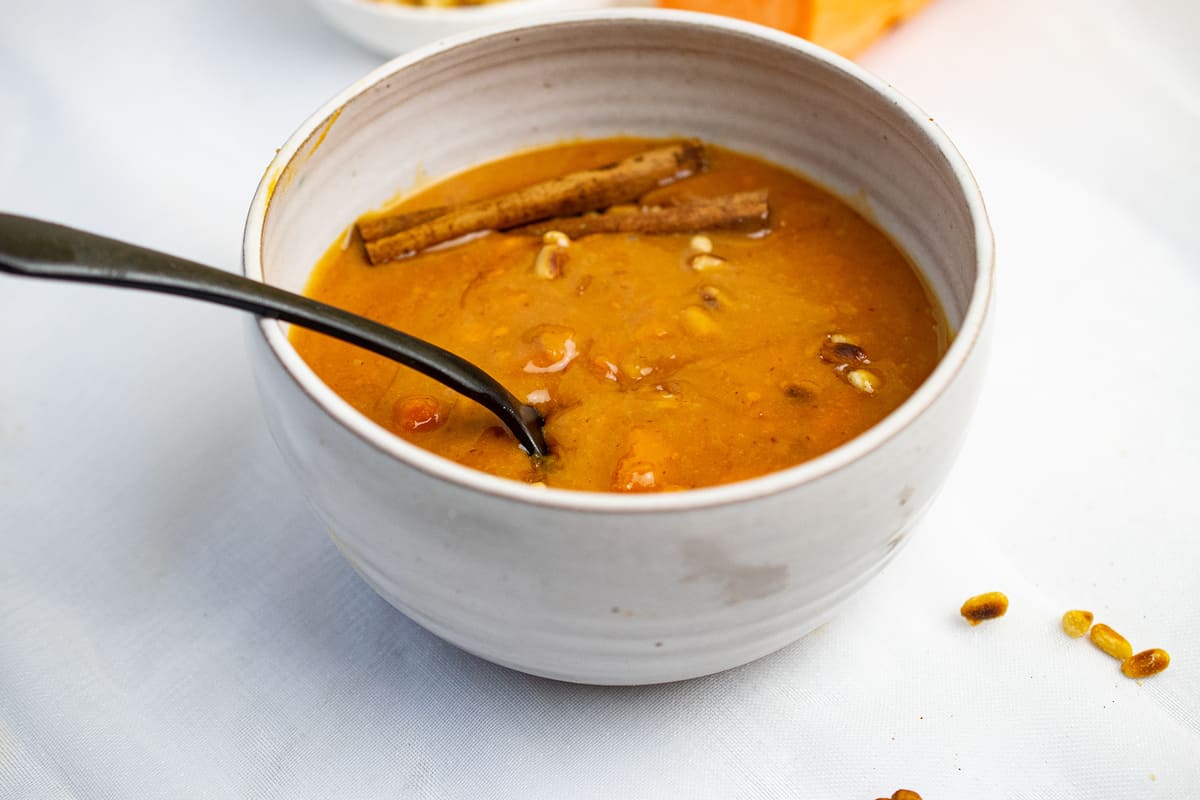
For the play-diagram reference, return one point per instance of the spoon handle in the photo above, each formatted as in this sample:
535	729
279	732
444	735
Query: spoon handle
36	248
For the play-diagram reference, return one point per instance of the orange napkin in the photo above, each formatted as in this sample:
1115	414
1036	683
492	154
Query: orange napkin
844	26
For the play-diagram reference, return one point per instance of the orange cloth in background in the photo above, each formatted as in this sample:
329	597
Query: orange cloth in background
844	26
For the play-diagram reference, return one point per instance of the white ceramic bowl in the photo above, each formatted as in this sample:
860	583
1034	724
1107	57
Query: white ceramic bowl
395	28
609	588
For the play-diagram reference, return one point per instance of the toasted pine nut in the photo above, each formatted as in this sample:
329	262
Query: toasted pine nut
1111	642
698	322
705	261
842	353
1146	663
984	607
863	380
550	261
1077	623
701	243
553	256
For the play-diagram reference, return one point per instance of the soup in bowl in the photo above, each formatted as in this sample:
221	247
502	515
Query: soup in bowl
628	574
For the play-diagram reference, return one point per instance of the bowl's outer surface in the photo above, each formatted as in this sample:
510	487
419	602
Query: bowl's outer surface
596	587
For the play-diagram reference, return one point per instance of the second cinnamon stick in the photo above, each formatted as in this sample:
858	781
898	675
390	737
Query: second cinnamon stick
694	215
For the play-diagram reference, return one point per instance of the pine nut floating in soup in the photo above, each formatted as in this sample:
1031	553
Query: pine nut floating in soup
682	315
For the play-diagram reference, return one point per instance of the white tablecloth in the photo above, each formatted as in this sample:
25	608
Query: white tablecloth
174	622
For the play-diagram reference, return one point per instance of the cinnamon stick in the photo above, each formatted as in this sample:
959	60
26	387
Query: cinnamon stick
695	215
385	223
571	194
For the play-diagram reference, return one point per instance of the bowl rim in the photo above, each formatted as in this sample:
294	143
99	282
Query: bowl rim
808	472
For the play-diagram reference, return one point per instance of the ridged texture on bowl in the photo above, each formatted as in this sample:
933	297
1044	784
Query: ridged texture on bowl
600	588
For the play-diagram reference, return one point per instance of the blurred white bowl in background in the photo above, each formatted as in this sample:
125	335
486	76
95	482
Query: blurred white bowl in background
392	28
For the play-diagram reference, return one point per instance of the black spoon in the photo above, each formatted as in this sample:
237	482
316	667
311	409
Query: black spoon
42	249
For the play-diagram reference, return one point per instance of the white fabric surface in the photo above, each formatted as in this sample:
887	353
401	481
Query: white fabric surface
174	622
